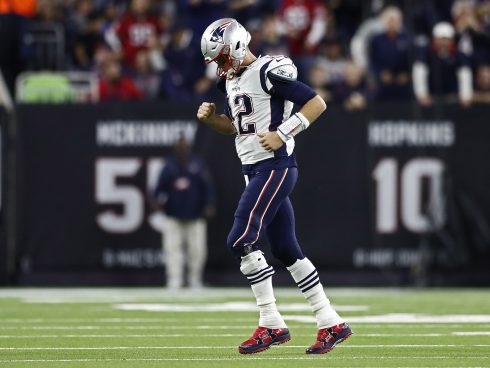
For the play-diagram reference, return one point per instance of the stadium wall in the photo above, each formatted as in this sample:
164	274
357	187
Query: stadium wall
3	197
392	195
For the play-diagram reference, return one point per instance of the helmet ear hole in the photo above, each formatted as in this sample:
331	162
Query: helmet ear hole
237	45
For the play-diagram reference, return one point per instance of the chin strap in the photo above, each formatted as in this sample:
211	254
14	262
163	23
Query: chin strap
230	74
292	126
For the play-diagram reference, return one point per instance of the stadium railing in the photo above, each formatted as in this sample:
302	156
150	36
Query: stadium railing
57	87
48	43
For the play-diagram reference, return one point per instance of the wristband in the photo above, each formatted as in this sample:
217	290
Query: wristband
292	126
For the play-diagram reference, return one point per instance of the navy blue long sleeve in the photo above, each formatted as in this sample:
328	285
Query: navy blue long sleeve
291	90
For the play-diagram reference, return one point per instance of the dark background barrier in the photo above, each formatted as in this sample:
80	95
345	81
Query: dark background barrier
3	192
390	195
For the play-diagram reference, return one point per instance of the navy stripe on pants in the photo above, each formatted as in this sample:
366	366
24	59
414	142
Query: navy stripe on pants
263	205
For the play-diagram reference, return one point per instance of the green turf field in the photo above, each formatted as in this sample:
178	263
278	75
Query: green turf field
151	327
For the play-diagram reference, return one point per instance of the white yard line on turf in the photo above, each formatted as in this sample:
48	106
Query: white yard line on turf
230	359
90	295
211	327
403	318
227	307
112	336
163	335
120	336
299	307
457	333
88	327
229	347
220	318
223	320
330	366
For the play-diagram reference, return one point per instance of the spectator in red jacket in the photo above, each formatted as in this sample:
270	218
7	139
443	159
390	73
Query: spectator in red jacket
306	24
139	30
114	86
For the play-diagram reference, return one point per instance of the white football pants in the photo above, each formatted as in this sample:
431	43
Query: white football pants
178	233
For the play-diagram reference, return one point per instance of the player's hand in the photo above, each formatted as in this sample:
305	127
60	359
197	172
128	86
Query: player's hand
206	112
270	141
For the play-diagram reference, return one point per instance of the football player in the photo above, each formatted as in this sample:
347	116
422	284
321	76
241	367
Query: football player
260	93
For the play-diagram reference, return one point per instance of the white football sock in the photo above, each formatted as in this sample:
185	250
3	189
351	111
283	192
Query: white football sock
259	274
306	277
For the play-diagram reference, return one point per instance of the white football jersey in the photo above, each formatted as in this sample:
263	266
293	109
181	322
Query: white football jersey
253	110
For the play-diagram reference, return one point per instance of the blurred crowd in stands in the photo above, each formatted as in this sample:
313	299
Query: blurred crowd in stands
351	51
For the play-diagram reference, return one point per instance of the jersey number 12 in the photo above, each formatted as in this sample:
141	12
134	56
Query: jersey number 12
245	109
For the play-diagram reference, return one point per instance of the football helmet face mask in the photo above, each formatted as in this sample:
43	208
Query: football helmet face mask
225	42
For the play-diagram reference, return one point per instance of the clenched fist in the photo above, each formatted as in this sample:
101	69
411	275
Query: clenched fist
206	112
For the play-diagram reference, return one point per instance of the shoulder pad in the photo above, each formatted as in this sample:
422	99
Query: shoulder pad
283	69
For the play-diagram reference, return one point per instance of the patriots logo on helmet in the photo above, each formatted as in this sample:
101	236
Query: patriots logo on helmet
217	35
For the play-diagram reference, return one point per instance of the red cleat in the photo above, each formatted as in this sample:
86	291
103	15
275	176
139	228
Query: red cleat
263	338
328	338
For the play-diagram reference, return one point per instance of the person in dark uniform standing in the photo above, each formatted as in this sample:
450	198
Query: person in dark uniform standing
185	193
389	58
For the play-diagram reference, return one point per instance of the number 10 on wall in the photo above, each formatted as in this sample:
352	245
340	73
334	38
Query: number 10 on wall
411	195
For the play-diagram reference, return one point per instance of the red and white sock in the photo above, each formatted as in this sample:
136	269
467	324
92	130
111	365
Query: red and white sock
306	277
259	275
